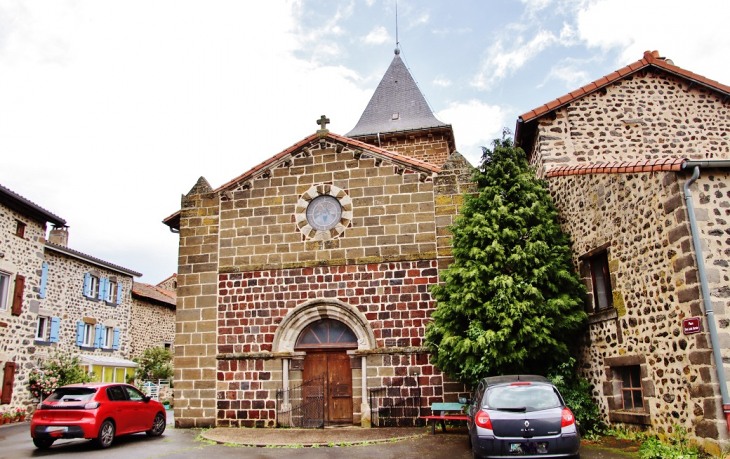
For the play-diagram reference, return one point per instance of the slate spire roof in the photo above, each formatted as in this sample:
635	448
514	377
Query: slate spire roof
397	105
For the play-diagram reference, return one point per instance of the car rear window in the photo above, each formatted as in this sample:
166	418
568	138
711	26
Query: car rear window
522	398
71	394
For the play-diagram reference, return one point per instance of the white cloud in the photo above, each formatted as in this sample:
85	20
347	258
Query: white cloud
501	62
377	36
689	37
475	125
108	132
443	82
423	18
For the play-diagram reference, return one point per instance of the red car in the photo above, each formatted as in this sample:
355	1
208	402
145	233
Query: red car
97	411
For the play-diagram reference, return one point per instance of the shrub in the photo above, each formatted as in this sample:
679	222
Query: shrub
577	394
58	370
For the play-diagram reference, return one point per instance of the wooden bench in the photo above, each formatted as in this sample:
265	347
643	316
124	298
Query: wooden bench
440	413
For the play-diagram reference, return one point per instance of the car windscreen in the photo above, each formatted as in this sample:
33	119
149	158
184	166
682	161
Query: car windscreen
71	394
522	398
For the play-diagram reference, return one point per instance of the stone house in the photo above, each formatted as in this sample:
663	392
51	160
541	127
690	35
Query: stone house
22	240
650	238
153	309
55	298
316	264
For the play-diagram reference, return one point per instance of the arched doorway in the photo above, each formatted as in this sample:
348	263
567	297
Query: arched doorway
326	343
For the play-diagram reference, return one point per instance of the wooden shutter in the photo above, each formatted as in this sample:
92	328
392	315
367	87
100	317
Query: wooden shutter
8	380
115	345
18	295
87	284
55	325
79	333
44	280
119	292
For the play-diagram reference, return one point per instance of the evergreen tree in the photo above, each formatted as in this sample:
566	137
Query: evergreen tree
511	302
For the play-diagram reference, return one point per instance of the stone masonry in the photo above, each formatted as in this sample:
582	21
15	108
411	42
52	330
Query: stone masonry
249	260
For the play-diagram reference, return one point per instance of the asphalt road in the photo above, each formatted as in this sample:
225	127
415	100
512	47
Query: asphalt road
15	442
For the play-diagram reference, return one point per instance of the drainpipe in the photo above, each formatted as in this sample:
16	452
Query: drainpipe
379	145
709	313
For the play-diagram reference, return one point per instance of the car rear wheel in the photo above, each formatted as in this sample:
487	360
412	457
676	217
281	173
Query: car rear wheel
43	443
106	434
157	427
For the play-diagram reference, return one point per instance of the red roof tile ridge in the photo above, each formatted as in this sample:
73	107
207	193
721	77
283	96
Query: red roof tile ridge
613	167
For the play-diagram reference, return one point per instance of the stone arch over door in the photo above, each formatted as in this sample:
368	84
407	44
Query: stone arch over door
312	311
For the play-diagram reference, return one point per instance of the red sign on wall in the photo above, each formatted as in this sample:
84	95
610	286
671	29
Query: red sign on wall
691	325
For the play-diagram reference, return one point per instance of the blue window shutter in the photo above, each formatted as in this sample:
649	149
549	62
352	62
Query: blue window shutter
116	338
119	292
55	325
102	288
87	284
79	333
97	335
44	280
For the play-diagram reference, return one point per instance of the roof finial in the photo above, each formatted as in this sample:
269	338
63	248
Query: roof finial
397	43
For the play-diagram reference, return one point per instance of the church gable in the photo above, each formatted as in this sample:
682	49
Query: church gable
384	204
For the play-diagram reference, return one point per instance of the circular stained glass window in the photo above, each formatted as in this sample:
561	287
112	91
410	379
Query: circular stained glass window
324	212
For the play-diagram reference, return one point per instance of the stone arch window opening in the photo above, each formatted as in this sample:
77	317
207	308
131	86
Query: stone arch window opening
326	334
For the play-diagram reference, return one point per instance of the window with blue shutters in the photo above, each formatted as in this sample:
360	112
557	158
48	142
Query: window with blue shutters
44	280
92	287
85	335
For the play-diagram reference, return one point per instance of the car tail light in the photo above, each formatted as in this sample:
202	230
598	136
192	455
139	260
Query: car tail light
567	418
483	421
91	406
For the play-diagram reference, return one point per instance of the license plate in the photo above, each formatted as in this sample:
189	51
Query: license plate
528	448
57	429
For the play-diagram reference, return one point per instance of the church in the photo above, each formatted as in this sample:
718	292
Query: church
306	279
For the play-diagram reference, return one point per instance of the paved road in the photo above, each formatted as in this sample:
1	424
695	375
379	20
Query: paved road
15	443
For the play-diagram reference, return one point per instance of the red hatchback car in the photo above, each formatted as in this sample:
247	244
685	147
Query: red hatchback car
97	411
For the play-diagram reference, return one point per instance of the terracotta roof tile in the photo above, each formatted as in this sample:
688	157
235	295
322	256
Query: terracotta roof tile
153	292
615	167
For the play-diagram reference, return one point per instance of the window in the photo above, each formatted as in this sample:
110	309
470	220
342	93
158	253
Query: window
602	292
19	228
91	286
4	284
111	294
134	394
87	337
43	330
108	340
631	392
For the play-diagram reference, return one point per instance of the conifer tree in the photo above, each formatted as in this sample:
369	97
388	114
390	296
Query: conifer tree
511	302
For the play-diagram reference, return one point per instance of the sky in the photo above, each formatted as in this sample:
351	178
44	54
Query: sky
110	110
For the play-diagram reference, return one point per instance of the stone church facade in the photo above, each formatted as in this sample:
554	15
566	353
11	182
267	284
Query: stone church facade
617	156
317	263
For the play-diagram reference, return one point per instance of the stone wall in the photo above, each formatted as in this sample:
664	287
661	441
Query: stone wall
648	115
641	221
23	256
195	326
388	214
434	147
153	326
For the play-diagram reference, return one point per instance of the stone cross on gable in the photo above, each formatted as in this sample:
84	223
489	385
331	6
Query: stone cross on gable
323	121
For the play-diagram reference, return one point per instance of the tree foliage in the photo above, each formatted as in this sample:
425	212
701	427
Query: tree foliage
511	302
155	363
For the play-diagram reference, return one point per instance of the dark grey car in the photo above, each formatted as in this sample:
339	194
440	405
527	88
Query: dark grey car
520	416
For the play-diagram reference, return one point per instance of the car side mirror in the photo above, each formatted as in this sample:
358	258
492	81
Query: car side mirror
147	398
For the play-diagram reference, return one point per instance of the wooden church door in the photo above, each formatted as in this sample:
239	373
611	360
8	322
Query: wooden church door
335	368
326	343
